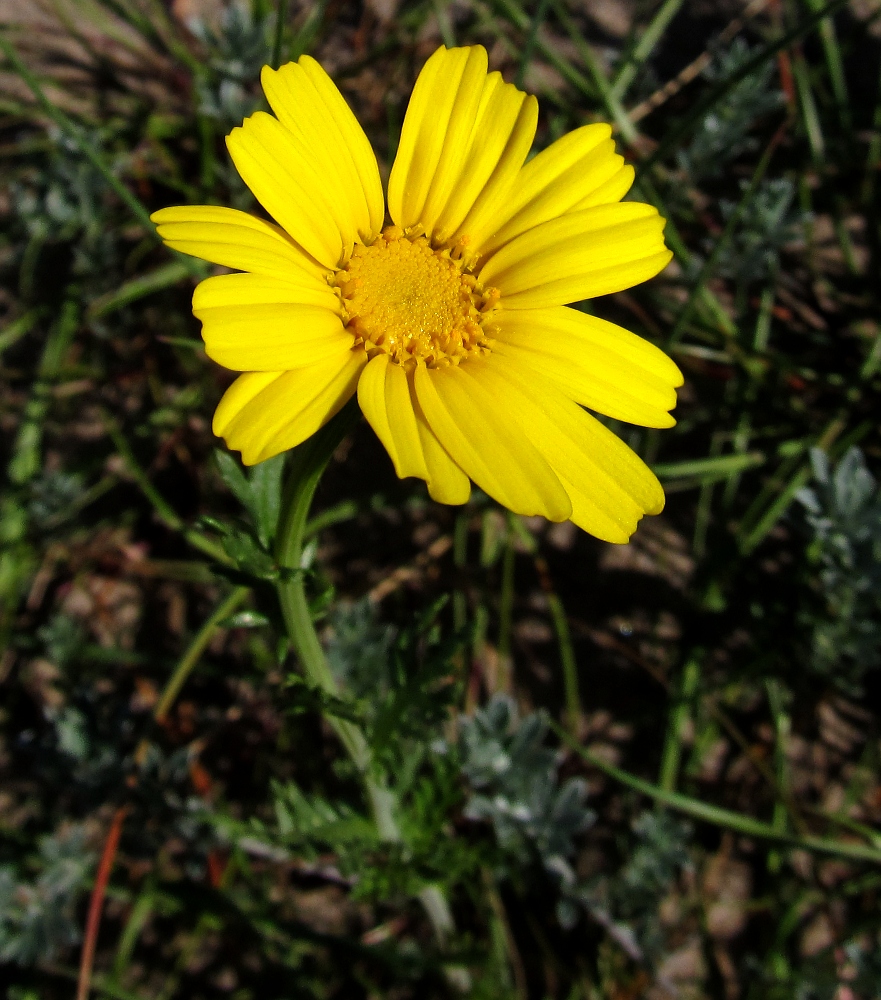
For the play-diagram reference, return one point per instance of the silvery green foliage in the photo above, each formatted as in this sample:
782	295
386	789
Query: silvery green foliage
61	637
400	678
38	918
238	49
723	135
249	542
359	648
626	903
71	730
66	201
515	786
843	510
653	864
864	958
53	494
765	226
65	198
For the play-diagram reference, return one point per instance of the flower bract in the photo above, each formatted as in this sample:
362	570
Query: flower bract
448	312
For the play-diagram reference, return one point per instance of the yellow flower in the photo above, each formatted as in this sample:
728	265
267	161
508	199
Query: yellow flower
451	323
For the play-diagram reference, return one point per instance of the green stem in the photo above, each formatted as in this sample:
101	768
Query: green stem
506	597
568	661
27	456
679	713
549	50
531	38
278	43
18	328
460	560
644	47
196	649
444	23
709	267
782	730
309	462
613	106
726	818
161	506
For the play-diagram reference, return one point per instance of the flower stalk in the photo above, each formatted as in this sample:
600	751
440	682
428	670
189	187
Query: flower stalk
309	462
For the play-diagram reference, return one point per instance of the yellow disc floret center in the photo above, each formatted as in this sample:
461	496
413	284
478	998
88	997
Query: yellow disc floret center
415	303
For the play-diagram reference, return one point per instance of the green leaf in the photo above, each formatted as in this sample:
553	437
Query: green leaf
246	552
245	619
137	288
259	493
710	469
232	474
313	819
265	484
311	698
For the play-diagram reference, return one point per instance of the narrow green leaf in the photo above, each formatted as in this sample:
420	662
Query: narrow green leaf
138	288
716	468
726	818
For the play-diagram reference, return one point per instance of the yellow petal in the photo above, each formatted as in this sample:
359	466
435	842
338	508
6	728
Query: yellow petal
306	101
259	289
579	256
239	395
594	362
447	483
387	398
577	171
384	398
423	133
272	336
463	130
265	413
500	139
234	239
613	190
285	179
609	485
592	512
436	173
467	420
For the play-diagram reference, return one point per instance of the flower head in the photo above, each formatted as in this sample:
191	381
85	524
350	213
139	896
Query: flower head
451	323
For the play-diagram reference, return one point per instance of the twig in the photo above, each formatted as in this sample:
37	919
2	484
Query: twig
697	66
96	903
678	132
405	573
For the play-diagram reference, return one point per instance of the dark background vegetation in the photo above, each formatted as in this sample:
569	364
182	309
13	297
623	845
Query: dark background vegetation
728	656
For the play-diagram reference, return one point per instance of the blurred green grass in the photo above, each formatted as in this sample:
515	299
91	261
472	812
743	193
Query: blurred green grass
716	657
